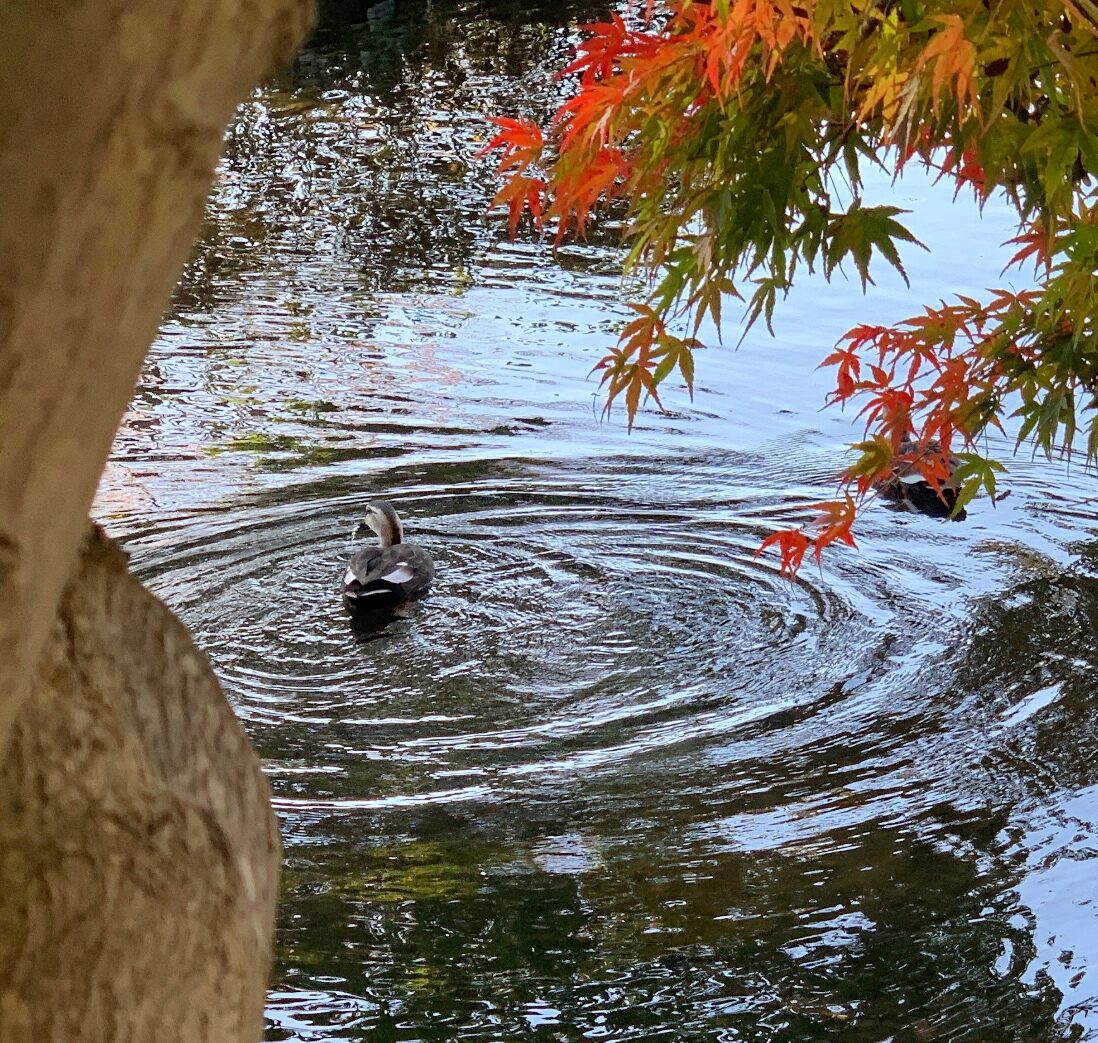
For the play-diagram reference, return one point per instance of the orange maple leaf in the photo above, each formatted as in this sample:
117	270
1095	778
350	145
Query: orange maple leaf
792	545
952	58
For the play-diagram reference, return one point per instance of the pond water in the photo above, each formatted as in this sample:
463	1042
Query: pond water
614	779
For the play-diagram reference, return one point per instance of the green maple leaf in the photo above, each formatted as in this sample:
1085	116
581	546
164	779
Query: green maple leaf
861	231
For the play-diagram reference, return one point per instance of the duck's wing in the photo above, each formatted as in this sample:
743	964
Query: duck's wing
403	570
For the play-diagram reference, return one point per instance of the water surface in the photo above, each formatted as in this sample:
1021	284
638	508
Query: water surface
615	779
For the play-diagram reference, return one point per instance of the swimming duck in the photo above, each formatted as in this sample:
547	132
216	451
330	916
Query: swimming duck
908	487
393	572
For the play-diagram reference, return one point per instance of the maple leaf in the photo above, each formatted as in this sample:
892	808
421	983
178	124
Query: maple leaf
884	94
675	352
874	463
521	193
792	545
836	521
973	474
1034	244
952	58
521	141
833	526
578	195
599	56
850	367
646	355
860	231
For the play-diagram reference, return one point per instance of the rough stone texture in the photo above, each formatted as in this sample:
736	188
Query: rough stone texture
138	850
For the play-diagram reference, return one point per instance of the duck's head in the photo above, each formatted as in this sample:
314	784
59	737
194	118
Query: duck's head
381	518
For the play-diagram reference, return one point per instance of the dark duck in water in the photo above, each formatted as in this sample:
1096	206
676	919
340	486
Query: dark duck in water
393	572
908	487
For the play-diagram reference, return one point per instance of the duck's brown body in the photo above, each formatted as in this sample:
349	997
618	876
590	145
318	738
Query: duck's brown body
380	574
390	574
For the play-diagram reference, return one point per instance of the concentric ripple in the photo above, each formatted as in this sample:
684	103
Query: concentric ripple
571	630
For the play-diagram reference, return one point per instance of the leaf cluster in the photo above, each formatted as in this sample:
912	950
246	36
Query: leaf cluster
736	133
